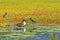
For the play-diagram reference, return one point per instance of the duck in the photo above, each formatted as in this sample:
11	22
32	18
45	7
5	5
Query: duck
33	22
5	15
22	25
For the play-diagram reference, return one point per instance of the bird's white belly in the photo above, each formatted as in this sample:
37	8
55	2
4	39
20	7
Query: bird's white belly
24	23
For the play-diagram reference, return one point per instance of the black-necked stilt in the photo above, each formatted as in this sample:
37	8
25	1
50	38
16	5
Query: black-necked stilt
5	15
22	25
33	22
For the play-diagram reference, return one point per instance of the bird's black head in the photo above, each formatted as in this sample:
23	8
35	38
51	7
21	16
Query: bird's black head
23	20
5	12
30	18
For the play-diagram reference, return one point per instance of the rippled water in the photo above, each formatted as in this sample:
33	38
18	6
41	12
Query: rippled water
40	36
50	35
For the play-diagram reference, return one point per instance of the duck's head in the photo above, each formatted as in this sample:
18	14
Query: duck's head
30	18
23	20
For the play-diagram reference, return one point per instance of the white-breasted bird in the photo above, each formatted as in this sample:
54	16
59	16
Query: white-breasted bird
22	25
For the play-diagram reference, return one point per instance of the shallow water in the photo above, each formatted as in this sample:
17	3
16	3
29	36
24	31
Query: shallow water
40	36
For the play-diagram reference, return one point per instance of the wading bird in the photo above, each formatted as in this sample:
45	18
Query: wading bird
33	22
22	25
5	15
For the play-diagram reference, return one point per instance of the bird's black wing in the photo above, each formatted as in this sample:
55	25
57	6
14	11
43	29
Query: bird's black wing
19	24
34	21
